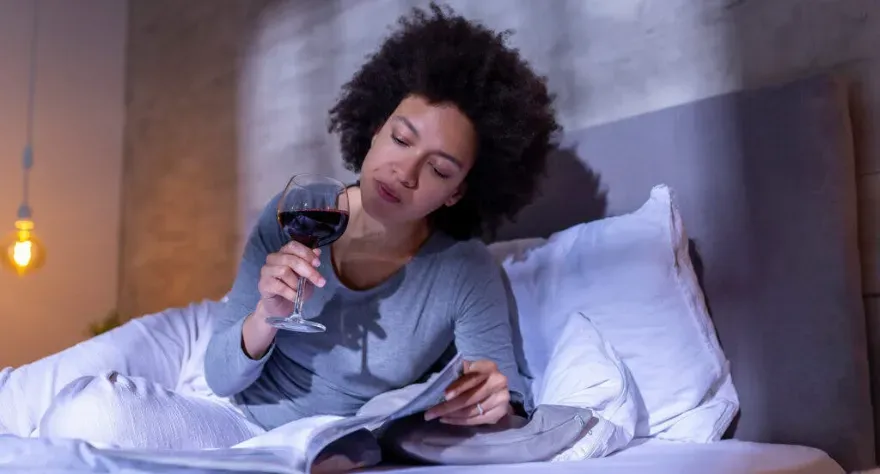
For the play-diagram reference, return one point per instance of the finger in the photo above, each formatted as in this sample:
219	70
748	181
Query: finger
487	418
281	272
493	382
298	265
500	398
295	248
480	373
487	402
280	257
467	399
287	277
472	370
463	384
274	287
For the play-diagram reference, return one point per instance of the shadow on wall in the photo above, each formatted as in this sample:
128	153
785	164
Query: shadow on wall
289	79
570	194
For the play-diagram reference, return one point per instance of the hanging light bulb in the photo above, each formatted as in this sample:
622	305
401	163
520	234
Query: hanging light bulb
23	250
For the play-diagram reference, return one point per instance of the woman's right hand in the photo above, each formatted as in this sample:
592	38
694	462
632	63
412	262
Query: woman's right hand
279	278
277	286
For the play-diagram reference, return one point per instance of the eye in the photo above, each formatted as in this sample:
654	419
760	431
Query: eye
399	140
439	173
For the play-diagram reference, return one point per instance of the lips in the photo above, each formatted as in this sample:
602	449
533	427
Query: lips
386	193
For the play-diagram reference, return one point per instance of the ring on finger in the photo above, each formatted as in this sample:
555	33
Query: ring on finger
480	409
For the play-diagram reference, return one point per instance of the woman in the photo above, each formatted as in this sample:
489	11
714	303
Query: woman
449	130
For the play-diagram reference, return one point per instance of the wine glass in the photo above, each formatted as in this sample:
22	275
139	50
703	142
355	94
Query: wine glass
313	210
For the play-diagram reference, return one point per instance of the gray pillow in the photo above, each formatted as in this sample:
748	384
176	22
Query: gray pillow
551	430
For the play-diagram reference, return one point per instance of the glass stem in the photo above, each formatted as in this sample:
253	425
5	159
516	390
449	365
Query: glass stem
297	304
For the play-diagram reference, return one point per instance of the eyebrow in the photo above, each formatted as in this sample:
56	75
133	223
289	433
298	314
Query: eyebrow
413	129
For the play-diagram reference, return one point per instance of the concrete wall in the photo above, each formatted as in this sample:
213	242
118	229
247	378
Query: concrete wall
229	97
75	182
181	190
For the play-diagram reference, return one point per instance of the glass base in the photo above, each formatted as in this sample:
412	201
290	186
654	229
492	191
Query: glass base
295	324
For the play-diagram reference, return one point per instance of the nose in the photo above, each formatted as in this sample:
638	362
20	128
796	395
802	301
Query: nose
407	172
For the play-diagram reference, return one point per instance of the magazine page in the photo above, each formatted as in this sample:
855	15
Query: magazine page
431	395
337	430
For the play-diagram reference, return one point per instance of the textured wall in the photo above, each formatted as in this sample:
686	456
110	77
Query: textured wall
210	139
75	181
180	185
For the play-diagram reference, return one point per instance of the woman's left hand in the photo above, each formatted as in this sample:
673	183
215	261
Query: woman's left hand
479	397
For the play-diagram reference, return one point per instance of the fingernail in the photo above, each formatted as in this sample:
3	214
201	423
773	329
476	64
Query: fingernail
316	262
429	416
322	282
449	395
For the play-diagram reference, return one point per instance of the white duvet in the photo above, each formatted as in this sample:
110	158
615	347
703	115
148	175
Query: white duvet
608	390
279	450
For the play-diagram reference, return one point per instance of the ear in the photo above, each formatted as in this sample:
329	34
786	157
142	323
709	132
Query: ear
453	200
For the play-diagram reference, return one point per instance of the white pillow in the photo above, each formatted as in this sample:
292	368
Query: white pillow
602	384
515	249
632	277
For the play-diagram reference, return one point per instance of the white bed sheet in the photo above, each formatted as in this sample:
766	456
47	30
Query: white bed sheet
666	457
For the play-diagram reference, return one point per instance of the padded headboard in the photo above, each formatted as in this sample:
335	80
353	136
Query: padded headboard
766	184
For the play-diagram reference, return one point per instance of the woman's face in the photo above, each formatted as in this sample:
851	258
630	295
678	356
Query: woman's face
418	161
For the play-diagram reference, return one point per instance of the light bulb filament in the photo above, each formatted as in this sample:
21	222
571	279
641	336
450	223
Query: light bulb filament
21	253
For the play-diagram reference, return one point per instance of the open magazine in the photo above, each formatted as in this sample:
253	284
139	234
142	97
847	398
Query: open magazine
332	437
353	440
329	443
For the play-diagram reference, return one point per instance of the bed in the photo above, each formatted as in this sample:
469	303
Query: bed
767	188
725	457
766	184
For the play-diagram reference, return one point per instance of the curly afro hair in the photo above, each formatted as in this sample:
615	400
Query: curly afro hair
448	59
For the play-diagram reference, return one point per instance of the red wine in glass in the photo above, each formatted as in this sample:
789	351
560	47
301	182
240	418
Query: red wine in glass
314	227
312	210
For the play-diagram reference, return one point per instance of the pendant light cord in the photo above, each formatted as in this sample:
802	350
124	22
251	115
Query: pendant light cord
24	211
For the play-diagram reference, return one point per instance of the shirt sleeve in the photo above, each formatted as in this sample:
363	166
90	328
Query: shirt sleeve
228	369
482	324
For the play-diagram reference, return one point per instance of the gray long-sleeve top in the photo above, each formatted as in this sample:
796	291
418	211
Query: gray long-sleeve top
377	340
